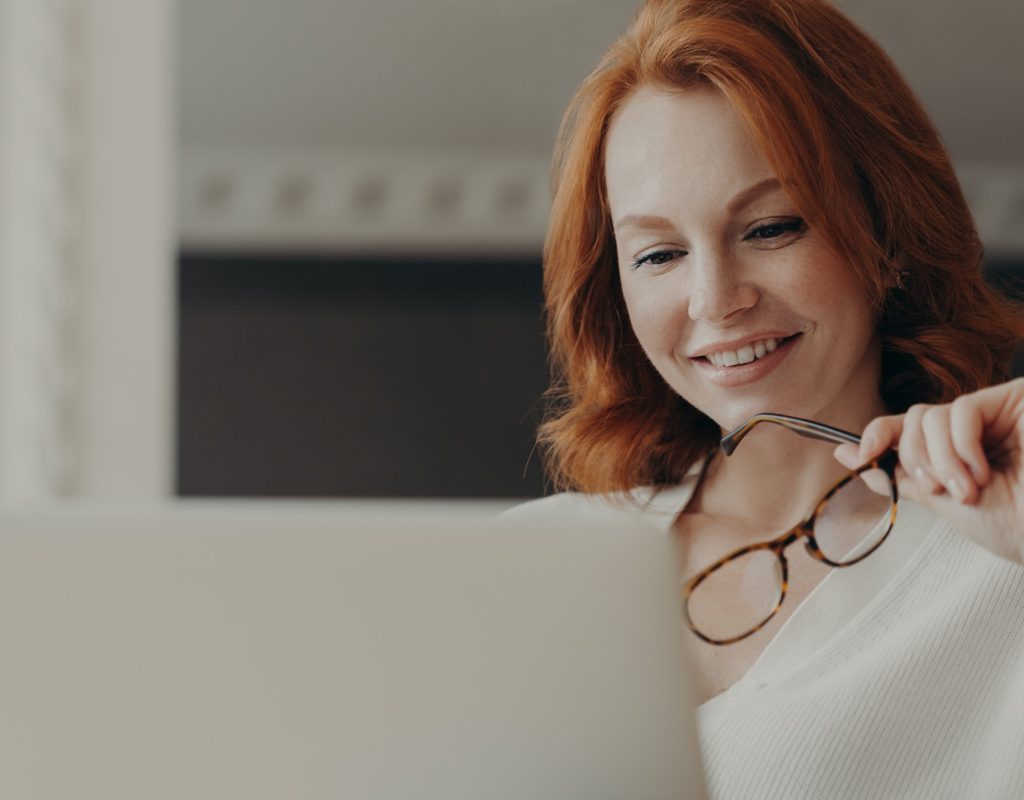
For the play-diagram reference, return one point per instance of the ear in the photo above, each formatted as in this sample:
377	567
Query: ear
897	275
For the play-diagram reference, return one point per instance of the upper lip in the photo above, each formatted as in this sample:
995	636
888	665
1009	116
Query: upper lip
732	345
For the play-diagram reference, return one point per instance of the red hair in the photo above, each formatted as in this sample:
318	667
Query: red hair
857	155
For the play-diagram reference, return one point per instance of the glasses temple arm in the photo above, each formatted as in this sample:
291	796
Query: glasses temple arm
801	427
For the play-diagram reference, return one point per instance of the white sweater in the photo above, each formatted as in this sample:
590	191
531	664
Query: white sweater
899	677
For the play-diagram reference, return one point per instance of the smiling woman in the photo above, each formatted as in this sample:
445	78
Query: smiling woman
737	271
754	218
811	103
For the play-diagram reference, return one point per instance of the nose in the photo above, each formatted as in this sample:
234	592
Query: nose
719	291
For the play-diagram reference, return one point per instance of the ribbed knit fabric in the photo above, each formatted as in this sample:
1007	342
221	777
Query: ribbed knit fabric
919	695
899	677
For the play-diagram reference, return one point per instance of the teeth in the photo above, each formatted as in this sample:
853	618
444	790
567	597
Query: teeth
744	355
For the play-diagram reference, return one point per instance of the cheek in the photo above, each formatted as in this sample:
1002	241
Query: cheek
650	317
820	290
826	281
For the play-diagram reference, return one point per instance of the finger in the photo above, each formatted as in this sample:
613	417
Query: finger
848	455
944	462
875	479
1000	410
967	426
910	489
914	452
879	435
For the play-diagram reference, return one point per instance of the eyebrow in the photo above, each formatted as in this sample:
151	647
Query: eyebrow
739	202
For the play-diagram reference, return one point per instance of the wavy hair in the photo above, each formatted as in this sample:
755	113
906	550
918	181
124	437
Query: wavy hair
859	158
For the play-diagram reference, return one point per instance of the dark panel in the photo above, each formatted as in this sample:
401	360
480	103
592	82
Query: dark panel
359	377
1007	275
368	377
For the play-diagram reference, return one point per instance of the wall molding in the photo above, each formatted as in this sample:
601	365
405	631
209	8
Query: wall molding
40	262
86	249
282	200
331	200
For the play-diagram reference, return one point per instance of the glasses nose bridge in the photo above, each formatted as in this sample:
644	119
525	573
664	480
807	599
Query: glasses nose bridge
802	530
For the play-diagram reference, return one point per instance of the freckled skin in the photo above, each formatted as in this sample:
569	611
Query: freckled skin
683	156
714	272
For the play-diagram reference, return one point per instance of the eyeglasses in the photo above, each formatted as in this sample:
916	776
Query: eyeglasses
738	594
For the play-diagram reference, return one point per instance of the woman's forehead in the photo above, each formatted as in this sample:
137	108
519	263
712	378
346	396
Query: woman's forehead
679	150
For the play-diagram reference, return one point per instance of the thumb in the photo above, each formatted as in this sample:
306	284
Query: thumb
848	455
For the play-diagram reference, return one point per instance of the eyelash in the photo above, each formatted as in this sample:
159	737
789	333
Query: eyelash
790	226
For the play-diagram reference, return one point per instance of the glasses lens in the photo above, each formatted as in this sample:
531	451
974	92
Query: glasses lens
856	518
737	597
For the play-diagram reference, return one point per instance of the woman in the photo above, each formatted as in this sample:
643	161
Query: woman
752	213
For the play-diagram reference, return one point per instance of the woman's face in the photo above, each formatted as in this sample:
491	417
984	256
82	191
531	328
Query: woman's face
737	303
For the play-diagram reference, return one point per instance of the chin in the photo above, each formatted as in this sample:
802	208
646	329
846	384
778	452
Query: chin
730	413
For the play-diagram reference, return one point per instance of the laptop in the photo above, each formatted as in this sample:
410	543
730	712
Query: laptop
398	651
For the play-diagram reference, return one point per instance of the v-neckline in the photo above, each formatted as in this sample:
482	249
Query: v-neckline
839	597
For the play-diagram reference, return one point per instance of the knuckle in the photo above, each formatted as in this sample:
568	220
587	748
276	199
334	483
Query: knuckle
876	426
918	410
960	414
907	447
960	405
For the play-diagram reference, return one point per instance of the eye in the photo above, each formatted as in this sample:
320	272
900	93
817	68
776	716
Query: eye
657	258
774	231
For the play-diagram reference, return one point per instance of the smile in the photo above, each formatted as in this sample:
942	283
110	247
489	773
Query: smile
748	364
746	354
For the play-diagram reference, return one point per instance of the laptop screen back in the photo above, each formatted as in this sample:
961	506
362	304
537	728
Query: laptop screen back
272	650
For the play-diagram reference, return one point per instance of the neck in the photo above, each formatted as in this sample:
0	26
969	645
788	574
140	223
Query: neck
775	477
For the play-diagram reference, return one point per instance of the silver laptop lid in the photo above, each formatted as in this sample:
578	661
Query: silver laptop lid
290	650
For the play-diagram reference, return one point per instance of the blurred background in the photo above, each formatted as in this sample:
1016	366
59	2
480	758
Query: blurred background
267	248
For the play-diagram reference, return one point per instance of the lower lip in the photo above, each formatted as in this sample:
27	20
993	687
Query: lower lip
744	374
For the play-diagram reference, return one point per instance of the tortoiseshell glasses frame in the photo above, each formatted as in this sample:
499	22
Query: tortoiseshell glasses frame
814	430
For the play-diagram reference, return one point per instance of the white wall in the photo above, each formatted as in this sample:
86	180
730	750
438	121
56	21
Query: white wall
494	76
292	111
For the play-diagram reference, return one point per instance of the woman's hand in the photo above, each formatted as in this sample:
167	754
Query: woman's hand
963	460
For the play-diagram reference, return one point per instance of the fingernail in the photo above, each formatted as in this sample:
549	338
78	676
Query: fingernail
926	480
957	489
867	445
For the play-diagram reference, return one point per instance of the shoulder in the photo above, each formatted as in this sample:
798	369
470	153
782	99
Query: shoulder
660	505
573	504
